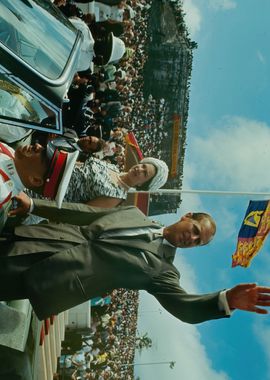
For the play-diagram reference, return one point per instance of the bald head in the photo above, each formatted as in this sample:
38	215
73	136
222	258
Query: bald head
208	220
193	229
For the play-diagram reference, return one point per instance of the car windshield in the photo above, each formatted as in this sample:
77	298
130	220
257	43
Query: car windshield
16	104
38	33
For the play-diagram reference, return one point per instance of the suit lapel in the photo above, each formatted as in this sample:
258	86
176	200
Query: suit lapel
132	218
125	218
169	252
142	242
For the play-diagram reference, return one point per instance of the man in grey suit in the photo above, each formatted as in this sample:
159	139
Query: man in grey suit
84	252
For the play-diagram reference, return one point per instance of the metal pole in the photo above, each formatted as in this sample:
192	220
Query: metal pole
204	192
150	363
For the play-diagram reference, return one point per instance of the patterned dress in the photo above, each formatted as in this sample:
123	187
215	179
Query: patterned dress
93	179
88	181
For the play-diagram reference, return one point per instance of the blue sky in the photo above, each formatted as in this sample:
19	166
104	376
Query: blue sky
228	148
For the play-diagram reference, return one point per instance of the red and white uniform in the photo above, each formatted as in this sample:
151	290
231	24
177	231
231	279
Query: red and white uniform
10	183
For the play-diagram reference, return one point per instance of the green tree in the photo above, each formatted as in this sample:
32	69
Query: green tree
142	342
172	364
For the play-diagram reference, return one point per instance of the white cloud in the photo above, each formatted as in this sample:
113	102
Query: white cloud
261	57
227	223
176	341
262	332
193	17
188	276
190	203
261	264
222	4
234	158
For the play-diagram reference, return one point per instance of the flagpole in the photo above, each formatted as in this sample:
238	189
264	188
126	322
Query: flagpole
205	192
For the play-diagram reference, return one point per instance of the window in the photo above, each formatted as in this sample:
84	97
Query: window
38	33
19	106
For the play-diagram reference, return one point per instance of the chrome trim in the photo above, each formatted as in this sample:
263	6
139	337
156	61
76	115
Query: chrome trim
29	126
30	89
57	111
64	75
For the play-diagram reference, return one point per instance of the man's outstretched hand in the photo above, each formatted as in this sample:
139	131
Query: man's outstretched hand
23	205
249	297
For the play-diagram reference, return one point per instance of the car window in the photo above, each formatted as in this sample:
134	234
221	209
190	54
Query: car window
19	106
43	38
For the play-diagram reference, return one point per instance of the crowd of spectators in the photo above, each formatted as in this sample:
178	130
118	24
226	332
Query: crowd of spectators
110	97
117	100
108	102
107	349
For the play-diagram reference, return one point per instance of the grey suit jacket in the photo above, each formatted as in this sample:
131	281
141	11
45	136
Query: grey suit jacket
86	264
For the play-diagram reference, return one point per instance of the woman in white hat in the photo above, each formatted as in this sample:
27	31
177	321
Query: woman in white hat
100	184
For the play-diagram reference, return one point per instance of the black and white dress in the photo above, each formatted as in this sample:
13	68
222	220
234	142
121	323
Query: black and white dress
92	179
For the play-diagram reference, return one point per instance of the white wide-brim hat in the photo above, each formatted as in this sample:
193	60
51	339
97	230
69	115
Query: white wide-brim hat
162	172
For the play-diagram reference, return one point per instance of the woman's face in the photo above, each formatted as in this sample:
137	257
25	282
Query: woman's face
88	144
141	173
